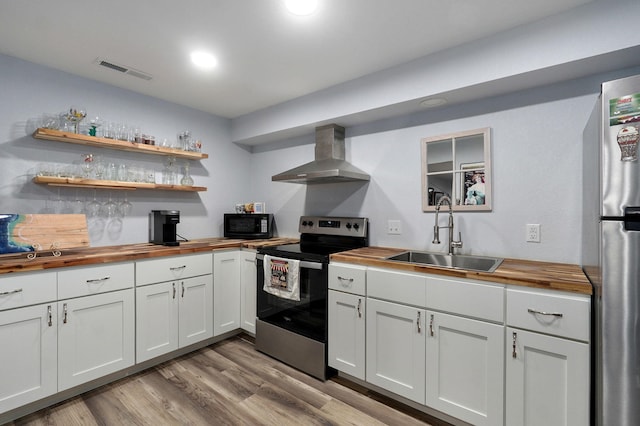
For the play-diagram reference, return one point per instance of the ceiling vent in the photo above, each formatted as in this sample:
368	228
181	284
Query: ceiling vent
123	69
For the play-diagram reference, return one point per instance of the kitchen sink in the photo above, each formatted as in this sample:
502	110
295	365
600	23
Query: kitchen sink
456	261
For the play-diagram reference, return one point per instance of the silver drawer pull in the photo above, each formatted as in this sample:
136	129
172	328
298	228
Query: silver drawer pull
553	314
6	293
97	280
178	268
345	280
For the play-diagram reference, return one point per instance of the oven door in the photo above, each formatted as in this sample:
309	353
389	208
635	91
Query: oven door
307	317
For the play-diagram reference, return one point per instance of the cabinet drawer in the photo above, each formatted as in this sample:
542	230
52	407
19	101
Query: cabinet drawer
348	278
87	280
534	310
173	268
409	289
18	290
471	299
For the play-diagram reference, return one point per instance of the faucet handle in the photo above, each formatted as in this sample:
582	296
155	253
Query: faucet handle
457	244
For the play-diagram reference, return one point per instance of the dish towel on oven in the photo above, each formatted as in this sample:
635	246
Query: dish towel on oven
282	277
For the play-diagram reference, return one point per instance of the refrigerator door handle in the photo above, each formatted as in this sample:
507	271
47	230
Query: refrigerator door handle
553	314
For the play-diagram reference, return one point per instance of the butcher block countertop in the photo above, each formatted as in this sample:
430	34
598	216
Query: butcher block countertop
527	273
88	256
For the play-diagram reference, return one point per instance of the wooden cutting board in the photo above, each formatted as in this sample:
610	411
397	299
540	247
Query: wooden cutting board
34	232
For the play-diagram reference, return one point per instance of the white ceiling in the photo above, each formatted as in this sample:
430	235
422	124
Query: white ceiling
266	55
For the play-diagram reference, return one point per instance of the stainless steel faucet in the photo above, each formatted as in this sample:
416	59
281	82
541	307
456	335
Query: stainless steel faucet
436	228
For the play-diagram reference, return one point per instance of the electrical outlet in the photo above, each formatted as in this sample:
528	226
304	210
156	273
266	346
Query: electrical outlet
533	233
394	227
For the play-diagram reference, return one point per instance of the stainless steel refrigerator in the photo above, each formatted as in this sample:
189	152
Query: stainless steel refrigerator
611	250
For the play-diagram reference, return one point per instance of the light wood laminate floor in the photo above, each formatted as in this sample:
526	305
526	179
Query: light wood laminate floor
228	383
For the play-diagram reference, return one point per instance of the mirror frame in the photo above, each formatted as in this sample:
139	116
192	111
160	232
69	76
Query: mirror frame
486	136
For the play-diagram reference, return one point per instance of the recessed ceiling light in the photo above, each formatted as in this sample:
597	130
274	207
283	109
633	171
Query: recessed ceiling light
432	102
204	60
301	7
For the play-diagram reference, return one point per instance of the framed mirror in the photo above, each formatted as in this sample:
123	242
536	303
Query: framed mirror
458	165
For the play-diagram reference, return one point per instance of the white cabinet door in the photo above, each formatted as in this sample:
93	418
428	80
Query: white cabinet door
465	368
547	380
29	366
248	291
396	348
95	337
226	292
347	333
195	310
156	320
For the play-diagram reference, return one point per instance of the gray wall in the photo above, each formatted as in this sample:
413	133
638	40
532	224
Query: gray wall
29	90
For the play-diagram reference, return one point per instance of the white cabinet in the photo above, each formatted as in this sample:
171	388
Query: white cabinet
347	319
226	291
396	348
177	313
464	368
547	357
95	336
248	279
29	354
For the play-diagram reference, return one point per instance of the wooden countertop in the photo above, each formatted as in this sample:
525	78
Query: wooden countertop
527	273
95	255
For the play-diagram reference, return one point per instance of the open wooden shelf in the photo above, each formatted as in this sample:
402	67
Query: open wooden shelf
60	136
112	184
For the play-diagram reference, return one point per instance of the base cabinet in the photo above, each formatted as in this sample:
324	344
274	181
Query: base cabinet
347	316
95	336
464	368
396	348
248	278
28	370
226	292
172	315
547	380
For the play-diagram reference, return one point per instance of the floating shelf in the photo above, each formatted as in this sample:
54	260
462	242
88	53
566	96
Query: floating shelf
112	184
79	139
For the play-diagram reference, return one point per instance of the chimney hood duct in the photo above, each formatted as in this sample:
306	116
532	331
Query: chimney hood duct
329	165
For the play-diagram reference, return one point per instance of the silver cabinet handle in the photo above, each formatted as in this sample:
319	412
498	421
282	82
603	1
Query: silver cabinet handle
6	293
431	326
344	280
174	290
64	309
178	268
358	308
50	318
513	350
182	295
98	280
418	323
553	314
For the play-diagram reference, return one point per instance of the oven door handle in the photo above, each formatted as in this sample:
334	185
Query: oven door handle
303	263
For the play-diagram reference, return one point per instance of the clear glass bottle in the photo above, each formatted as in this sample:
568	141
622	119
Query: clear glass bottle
186	180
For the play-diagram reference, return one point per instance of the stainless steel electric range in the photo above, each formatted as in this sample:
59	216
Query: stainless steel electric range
295	331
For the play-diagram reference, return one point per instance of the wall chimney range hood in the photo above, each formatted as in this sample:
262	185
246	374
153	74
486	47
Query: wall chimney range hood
329	165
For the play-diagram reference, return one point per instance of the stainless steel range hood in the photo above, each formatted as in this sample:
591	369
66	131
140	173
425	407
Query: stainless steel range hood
329	165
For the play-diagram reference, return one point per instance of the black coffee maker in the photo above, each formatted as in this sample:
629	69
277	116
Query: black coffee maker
162	227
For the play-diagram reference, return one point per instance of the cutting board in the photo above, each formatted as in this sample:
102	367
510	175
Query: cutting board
33	232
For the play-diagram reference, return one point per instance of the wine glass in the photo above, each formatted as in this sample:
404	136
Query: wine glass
110	208
93	206
74	116
125	206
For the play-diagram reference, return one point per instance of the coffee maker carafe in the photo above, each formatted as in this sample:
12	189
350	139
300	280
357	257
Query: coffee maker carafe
162	227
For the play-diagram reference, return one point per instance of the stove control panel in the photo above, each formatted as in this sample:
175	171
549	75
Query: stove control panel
326	225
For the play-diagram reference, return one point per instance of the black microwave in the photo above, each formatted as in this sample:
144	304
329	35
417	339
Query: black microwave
248	226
